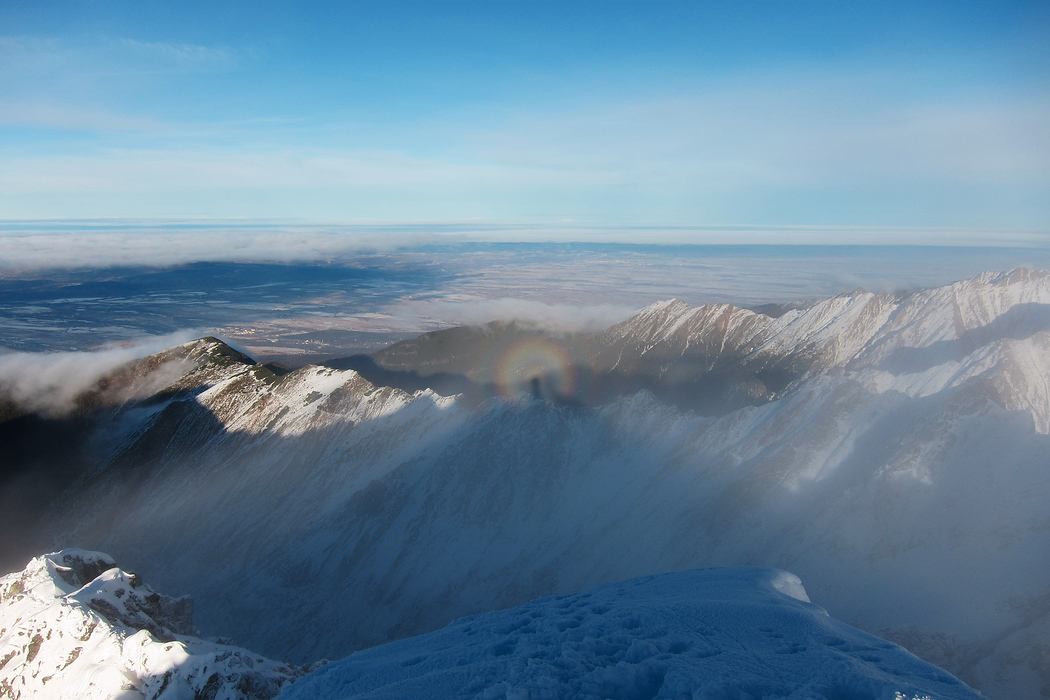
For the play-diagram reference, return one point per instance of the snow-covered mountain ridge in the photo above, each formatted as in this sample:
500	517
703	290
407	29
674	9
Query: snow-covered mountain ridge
858	326
73	625
718	358
892	451
918	343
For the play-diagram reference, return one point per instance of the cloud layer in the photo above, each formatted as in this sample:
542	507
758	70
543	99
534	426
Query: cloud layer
50	382
551	316
31	246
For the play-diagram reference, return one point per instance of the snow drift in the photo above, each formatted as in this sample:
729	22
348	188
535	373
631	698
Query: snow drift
715	634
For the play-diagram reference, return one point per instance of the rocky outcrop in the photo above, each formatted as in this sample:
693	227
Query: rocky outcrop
74	625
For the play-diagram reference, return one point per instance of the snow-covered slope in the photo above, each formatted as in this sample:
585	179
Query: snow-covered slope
73	625
894	452
716	634
718	358
995	324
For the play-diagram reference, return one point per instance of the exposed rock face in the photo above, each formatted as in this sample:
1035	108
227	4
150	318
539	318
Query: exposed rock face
891	451
73	625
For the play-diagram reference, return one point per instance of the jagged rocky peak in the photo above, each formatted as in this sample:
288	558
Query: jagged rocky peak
660	318
78	566
203	361
667	307
307	399
679	327
121	597
189	366
840	329
74	625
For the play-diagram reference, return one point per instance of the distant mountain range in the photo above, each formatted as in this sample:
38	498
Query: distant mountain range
892	451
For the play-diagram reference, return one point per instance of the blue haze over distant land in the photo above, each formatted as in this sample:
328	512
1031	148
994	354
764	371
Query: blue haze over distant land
302	293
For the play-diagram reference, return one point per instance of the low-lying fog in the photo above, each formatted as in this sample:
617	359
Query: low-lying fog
299	297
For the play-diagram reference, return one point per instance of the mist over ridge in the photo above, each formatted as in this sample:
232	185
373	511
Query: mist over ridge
360	299
413	506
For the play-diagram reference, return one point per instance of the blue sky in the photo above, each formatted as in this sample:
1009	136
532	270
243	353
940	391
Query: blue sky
595	113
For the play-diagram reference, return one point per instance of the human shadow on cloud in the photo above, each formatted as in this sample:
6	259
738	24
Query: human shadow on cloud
480	362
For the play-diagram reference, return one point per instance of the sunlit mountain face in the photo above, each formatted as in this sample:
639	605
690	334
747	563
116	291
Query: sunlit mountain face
888	447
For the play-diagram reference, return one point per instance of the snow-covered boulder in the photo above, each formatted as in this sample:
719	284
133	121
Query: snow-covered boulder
73	625
709	634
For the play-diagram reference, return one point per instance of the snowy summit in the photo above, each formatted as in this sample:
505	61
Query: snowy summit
73	625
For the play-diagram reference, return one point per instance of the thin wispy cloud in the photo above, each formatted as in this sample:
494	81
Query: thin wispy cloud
696	157
29	247
45	56
58	83
179	55
618	124
45	114
31	53
51	382
796	133
550	316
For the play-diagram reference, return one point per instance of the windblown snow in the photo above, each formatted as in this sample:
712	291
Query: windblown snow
73	625
893	451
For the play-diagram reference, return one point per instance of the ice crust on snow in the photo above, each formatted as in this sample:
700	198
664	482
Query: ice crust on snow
74	626
714	634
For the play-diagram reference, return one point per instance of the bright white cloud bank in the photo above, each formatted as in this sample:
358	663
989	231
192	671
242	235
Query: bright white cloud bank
50	382
161	243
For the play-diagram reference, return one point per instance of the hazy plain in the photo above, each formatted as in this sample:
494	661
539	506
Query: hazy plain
300	294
